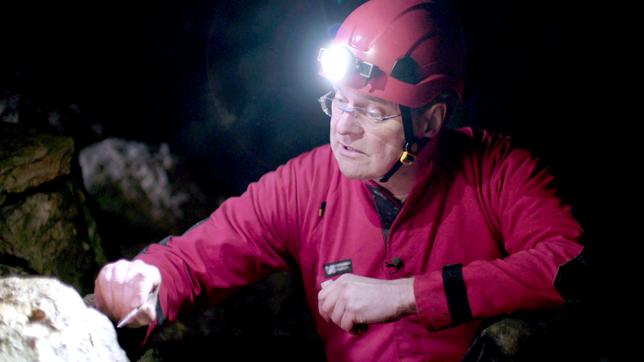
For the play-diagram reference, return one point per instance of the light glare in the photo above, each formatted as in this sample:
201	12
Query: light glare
335	63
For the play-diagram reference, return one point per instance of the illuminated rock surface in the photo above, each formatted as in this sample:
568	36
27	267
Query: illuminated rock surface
29	159
43	320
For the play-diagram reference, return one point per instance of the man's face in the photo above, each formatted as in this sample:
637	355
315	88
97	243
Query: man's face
364	149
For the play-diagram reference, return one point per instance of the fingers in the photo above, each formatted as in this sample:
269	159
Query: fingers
338	312
332	306
102	290
346	322
124	285
352	302
119	272
143	284
138	284
325	306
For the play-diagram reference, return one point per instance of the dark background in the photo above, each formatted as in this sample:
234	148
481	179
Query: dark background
232	87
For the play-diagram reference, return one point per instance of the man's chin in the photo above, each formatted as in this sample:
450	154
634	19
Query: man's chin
354	174
353	169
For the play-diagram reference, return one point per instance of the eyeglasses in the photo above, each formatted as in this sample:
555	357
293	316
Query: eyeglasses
333	105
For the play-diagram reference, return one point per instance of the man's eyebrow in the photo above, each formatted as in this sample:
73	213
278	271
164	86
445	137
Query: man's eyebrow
367	97
376	99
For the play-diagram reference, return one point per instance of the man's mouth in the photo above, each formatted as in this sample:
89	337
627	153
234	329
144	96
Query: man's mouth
349	148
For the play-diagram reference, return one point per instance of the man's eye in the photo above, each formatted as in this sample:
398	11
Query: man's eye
374	113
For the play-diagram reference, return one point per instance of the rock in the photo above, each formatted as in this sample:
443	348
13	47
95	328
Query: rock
512	339
45	225
151	355
138	185
510	334
43	320
52	233
6	270
28	159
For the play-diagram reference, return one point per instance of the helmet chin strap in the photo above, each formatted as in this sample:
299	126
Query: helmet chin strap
412	147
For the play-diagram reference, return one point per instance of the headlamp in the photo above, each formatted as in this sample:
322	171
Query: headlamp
338	63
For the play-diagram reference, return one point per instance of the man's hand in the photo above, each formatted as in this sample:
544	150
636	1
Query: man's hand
123	286
353	300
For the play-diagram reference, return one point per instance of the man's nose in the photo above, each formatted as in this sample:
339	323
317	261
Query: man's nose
348	123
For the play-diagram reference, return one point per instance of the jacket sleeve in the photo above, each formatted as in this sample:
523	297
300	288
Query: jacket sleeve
246	238
539	235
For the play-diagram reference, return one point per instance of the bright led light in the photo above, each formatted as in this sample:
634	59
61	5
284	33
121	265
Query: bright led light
336	62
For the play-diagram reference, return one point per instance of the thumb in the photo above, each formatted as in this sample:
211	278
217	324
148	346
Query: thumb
147	311
147	314
146	283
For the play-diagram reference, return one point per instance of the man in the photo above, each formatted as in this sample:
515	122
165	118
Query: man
407	233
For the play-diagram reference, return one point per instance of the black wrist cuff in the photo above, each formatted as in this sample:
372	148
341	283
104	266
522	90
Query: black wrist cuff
456	293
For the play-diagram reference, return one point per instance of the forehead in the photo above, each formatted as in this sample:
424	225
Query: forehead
358	96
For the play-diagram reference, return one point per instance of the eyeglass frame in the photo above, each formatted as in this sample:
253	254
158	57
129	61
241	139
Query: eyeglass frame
330	96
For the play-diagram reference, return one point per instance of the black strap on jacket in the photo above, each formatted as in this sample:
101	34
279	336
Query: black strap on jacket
456	293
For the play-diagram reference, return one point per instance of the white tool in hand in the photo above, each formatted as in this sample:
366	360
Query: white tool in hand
151	299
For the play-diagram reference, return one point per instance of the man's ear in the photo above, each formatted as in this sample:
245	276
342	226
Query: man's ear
432	119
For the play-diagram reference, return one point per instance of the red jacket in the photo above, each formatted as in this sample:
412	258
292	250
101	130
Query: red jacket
482	203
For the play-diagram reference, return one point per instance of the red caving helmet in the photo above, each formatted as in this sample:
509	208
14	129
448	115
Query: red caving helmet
404	51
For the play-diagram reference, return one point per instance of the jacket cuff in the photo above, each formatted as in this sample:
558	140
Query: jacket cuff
431	301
